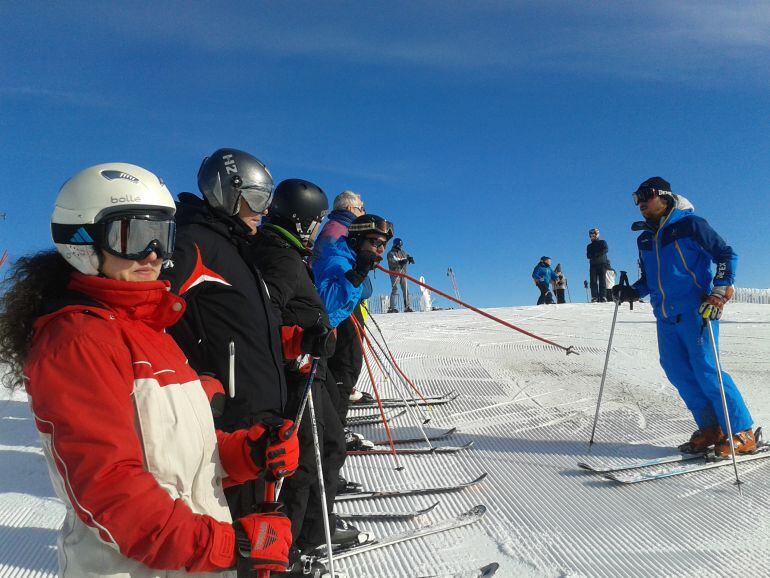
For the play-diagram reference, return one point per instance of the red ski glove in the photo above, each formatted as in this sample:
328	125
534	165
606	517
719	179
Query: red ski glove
281	454
264	539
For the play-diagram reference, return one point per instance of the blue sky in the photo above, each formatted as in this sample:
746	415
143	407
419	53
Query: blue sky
491	133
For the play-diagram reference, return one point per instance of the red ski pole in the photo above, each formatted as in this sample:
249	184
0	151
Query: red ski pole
399	467
568	350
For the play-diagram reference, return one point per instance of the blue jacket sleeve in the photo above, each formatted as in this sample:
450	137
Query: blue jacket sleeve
537	273
338	294
721	253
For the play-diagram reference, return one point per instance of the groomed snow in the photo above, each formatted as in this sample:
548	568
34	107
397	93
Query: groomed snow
528	409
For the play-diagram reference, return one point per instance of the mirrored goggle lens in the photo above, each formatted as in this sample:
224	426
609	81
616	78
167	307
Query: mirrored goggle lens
258	198
644	194
137	237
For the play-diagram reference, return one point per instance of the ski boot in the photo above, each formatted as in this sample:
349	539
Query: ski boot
701	440
347	487
356	442
745	442
345	534
408	310
392	310
307	566
357	396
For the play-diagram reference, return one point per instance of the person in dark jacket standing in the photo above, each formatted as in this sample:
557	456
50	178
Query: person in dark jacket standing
543	276
281	252
399	260
677	249
596	252
229	328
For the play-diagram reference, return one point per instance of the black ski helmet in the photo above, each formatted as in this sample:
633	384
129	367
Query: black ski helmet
229	175
366	224
297	206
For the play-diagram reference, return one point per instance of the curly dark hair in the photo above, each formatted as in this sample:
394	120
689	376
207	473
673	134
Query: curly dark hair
32	282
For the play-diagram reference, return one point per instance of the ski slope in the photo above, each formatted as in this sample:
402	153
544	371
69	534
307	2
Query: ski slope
528	409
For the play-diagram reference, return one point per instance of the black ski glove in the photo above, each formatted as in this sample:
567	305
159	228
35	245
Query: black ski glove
624	293
365	262
319	340
410	260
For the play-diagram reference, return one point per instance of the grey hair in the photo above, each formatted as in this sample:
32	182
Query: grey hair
346	199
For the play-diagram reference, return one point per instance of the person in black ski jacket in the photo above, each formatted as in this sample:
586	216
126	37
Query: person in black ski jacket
596	253
227	301
281	252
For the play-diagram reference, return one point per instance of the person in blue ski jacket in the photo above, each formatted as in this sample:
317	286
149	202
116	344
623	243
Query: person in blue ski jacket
676	250
543	276
341	272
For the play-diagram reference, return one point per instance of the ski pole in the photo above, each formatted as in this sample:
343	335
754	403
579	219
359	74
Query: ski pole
398	467
321	485
407	405
270	503
623	280
393	358
404	382
724	402
300	412
568	350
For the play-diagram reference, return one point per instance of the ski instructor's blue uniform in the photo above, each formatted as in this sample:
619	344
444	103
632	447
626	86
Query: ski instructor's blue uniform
677	274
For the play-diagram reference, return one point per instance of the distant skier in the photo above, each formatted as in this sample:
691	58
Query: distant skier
543	276
596	252
559	285
676	249
399	260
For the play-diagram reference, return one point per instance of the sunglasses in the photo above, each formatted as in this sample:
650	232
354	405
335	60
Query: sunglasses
374	242
644	194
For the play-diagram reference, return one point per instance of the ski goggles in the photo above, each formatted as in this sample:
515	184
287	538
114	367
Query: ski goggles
134	237
644	194
595	232
257	197
379	226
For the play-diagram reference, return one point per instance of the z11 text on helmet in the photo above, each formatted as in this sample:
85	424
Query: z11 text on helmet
229	176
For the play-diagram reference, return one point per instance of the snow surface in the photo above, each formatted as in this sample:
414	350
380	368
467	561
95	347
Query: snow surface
528	409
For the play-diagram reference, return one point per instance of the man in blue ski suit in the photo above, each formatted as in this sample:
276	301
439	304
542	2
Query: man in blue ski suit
676	249
543	276
342	278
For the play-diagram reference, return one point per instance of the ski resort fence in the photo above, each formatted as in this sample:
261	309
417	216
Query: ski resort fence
744	295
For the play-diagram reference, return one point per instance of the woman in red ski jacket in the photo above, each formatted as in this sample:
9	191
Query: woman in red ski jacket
125	423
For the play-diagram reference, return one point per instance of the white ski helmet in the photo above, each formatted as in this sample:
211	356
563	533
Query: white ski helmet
101	193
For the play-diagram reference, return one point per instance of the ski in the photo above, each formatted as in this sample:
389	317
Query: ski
388	515
433	438
710	463
372	418
464	519
412	451
604	468
411	491
485	572
393	402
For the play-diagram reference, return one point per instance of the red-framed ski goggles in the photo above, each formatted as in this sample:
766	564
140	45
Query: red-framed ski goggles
134	237
644	194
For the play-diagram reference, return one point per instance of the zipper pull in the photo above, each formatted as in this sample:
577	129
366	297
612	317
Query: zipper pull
231	378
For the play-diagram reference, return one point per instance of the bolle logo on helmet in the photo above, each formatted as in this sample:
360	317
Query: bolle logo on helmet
126	199
230	164
114	175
